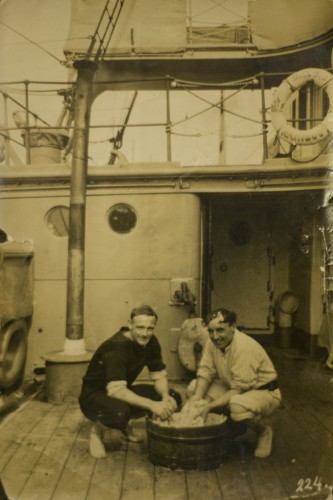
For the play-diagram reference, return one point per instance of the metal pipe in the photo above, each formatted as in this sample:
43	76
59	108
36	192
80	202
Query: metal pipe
6	136
222	144
263	115
190	25
76	242
168	127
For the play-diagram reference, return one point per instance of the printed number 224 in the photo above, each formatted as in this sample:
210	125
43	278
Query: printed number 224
307	484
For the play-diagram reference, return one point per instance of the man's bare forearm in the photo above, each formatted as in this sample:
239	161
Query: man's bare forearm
223	400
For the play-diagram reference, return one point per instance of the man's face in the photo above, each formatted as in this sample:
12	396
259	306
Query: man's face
220	333
142	329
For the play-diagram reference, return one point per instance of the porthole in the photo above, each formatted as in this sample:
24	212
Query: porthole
240	233
57	221
122	218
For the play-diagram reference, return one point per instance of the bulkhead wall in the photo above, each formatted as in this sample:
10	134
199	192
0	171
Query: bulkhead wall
123	268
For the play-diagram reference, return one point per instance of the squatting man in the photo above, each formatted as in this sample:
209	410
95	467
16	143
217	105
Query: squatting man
108	396
235	373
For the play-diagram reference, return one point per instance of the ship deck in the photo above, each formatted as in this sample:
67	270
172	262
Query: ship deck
44	451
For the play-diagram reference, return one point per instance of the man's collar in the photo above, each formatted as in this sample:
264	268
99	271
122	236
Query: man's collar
226	349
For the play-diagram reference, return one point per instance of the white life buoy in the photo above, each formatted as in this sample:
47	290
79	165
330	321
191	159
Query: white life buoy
13	351
321	78
193	337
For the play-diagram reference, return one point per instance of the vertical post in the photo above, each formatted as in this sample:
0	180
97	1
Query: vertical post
308	108
189	23
74	342
263	115
208	251
326	212
7	151
27	130
222	144
168	130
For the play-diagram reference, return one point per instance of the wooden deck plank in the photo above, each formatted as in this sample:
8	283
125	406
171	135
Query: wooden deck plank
23	420
323	412
307	395
139	475
29	452
76	475
318	452
232	475
285	457
203	484
263	480
310	425
15	428
170	485
70	423
305	450
107	477
314	420
51	457
48	469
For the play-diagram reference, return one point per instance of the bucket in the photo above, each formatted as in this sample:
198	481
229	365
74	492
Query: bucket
190	448
46	145
45	154
64	373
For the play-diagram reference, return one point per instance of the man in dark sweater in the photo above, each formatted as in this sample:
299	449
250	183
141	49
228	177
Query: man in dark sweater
108	396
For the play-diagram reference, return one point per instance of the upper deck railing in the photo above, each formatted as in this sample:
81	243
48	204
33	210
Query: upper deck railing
22	127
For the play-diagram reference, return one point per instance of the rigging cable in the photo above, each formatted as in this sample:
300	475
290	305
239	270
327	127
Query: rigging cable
32	42
229	10
3	134
217	4
215	105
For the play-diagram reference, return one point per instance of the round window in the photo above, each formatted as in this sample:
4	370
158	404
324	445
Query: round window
240	233
57	221
122	218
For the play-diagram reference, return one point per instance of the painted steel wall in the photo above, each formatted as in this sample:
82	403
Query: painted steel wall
122	270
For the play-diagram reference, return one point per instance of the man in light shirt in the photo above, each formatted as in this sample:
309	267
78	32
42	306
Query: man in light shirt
108	396
235	373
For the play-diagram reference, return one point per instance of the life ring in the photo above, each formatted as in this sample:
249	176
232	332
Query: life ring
192	339
321	78
13	352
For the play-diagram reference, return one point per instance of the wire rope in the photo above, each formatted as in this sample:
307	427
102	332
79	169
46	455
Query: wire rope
32	42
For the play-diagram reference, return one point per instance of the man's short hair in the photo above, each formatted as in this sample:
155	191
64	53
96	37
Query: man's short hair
143	311
228	316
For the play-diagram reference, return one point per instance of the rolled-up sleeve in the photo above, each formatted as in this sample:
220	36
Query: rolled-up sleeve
158	375
113	387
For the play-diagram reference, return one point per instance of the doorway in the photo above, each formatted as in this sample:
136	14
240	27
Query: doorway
253	252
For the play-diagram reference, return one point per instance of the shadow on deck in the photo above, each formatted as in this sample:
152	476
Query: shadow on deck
44	452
